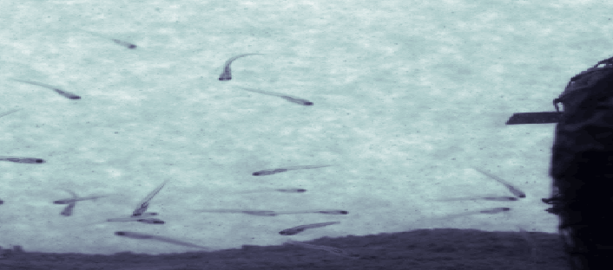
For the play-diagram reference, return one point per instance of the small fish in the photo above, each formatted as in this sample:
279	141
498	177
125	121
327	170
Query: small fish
273	171
286	97
151	221
57	90
288	190
332	250
68	201
120	42
486	211
68	209
480	198
328	212
9	112
22	160
1	201
249	212
144	204
514	190
226	75
299	229
135	235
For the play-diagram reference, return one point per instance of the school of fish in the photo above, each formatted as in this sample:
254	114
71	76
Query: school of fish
140	214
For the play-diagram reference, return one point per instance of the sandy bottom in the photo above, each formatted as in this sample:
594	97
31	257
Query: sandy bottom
420	249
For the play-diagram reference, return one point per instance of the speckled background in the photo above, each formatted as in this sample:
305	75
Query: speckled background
408	97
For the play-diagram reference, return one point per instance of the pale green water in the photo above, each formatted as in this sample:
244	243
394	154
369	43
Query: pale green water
408	97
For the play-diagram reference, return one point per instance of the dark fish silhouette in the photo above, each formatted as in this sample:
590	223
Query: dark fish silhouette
514	190
76	198
226	75
273	171
286	97
135	235
299	229
248	212
274	213
119	42
22	160
57	90
151	221
288	190
144	204
68	209
502	199
486	211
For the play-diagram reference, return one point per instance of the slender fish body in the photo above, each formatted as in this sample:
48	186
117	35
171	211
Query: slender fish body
299	229
226	75
57	90
514	190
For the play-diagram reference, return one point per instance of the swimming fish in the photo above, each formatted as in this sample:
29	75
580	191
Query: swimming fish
249	212
286	97
503	199
1	201
57	90
135	235
299	229
226	75
332	250
120	42
126	219
514	190
144	204
273	171
68	201
9	112
288	190
486	211
327	212
68	209
151	221
22	160
275	213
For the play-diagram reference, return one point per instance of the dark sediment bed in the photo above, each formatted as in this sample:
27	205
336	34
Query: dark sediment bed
420	249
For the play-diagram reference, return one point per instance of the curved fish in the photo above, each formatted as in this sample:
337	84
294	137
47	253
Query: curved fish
286	97
135	235
226	75
57	90
23	160
273	171
299	229
68	209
